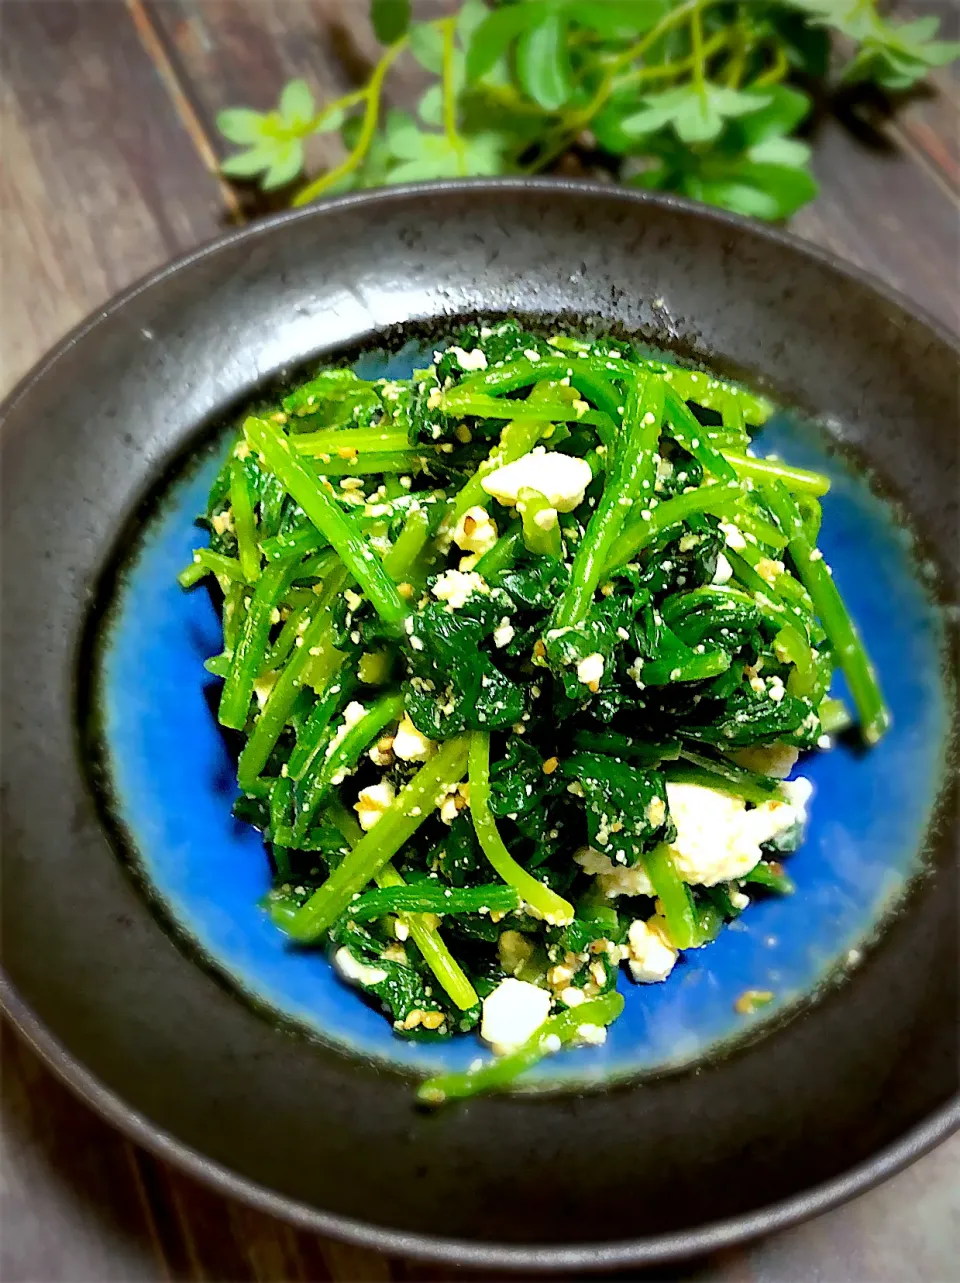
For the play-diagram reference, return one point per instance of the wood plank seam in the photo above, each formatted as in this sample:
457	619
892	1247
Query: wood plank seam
934	158
176	86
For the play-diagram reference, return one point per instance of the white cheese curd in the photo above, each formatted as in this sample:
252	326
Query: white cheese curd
718	839
357	973
592	1035
572	996
770	570
614	879
476	531
733	536
560	478
455	586
372	802
472	360
798	793
724	571
513	1012
504	633
651	957
410	745
590	670
351	715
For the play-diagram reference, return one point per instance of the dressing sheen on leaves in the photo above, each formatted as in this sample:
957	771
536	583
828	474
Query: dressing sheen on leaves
479	757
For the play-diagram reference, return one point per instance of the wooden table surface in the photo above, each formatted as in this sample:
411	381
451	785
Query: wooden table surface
109	168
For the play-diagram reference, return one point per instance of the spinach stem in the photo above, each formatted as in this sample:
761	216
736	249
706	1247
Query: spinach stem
315	786
814	573
206	562
247	661
269	440
536	894
495	1075
275	713
799	480
631	479
410	808
244	520
433	948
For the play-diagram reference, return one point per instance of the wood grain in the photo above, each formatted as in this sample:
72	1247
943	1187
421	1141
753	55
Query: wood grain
884	212
930	124
100	183
242	52
109	147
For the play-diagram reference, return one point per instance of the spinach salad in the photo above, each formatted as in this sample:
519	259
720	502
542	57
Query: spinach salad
522	651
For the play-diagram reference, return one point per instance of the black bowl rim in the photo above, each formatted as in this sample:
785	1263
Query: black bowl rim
937	1127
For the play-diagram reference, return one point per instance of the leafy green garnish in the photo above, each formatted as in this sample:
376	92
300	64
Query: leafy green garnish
679	95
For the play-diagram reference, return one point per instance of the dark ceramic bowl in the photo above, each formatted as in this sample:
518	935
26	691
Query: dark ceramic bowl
164	997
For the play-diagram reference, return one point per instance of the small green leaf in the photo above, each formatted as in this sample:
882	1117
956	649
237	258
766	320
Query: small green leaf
898	68
696	116
659	111
403	137
483	153
760	191
296	104
430	109
491	39
781	151
330	122
247	163
426	45
850	17
390	19
472	14
286	165
240	124
735	102
781	112
917	32
435	159
616	19
543	63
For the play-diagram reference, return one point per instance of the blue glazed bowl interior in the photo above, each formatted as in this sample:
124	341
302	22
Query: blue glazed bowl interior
171	785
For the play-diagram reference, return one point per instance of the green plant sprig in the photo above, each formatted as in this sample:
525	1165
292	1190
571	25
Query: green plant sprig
700	97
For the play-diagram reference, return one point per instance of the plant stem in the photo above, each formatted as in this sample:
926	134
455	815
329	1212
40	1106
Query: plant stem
492	1075
632	472
799	480
400	821
665	70
425	935
696	40
315	786
449	27
815	575
338	104
370	117
277	452
739	52
433	948
775	73
580	119
536	894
